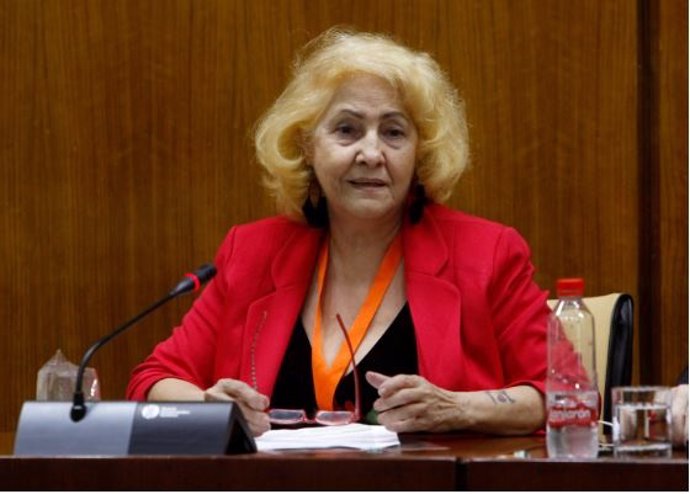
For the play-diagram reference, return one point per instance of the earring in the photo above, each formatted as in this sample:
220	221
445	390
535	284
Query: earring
314	208
418	202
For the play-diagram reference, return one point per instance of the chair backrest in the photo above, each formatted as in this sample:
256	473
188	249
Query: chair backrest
613	329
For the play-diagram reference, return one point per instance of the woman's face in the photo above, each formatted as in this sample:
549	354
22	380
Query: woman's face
363	151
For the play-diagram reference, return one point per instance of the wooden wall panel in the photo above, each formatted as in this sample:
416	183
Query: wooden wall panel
552	103
664	204
126	154
673	165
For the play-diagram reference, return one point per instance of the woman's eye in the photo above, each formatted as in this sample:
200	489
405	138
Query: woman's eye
394	133
346	130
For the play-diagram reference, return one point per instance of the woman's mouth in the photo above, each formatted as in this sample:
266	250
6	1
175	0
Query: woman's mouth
367	183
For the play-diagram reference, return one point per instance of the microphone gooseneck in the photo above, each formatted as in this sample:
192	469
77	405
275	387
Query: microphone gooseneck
190	282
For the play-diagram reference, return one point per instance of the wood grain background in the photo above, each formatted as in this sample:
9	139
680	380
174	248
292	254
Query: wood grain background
126	154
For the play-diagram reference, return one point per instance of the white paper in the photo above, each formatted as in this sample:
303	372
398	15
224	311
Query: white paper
357	436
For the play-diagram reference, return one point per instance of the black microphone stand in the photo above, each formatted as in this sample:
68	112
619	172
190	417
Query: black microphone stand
189	283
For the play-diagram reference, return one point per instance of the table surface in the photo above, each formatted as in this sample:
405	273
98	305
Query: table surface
423	462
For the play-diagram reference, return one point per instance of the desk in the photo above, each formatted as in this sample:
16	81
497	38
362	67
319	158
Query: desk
424	462
603	474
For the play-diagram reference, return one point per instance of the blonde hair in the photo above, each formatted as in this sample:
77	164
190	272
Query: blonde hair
319	69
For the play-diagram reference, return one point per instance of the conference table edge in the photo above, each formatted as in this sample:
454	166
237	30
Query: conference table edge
596	474
240	472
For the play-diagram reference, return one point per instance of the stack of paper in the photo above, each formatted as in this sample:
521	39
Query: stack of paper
357	436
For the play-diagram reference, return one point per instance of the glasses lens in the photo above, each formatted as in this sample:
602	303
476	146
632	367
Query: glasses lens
334	418
284	416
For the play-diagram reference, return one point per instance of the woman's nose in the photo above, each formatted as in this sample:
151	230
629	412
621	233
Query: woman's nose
371	152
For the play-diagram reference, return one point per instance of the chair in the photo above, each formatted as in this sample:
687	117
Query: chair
613	329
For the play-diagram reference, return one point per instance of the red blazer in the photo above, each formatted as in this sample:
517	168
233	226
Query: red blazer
479	319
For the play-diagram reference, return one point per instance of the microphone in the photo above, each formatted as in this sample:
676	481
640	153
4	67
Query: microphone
120	428
190	282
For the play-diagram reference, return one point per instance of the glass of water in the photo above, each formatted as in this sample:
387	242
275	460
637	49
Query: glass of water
641	421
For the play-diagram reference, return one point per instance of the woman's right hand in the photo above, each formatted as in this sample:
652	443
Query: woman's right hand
253	404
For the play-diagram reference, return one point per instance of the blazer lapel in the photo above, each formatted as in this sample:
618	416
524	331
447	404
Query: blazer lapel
271	319
435	304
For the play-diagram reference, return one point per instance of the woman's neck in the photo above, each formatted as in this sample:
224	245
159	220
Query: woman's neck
356	252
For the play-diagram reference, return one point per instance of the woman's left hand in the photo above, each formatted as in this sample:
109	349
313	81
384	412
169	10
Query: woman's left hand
409	403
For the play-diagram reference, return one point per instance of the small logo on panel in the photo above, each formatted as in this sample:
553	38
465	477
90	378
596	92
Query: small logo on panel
150	411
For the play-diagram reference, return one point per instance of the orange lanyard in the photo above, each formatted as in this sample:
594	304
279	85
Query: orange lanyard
326	378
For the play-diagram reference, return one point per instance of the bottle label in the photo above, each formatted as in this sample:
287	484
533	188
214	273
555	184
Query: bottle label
579	415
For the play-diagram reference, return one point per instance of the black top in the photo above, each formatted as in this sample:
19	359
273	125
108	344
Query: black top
395	353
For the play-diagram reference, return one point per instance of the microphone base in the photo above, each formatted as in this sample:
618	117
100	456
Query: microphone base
121	428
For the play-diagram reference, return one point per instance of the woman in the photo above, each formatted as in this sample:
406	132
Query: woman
361	148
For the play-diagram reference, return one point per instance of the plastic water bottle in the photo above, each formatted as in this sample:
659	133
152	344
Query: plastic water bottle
572	398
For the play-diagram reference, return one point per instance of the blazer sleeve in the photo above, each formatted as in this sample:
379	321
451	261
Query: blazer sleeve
189	353
519	311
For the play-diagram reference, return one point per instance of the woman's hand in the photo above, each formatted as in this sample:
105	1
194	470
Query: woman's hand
679	415
410	403
252	403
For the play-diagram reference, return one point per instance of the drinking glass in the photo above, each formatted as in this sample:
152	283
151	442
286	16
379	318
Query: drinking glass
641	421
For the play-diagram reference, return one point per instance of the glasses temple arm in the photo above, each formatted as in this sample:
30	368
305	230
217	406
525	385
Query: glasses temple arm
352	361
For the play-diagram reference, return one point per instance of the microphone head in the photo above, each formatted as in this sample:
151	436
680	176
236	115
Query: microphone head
193	281
205	273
